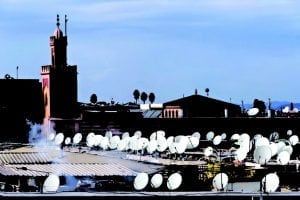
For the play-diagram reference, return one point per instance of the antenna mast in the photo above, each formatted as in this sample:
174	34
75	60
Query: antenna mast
66	20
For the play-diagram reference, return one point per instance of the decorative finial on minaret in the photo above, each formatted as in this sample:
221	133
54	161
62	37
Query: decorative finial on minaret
57	19
66	20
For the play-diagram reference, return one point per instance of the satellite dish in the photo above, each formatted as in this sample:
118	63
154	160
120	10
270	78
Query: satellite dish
51	183
125	135
235	136
196	135
138	134
104	144
289	132
240	154
97	139
223	135
220	181
114	141
141	181
170	140
270	182
157	134
253	111
162	144
274	148
193	142
152	146
257	136
286	109
77	138
142	143
210	135
161	132
59	138
108	134
263	141
283	158
288	148
156	180
217	140
133	143
51	136
294	139
180	147
208	151
262	154
174	181
67	140
172	148
122	145
274	136
90	140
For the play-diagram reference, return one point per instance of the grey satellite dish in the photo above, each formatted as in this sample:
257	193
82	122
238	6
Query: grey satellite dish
262	154
253	111
196	135
59	138
220	181
104	144
294	139
67	141
141	181
51	136
217	140
51	183
223	135
77	138
97	139
263	141
174	181
289	132
210	135
152	146
193	142
270	182
208	151
138	134
156	181
274	136
162	144
114	141
125	135
283	158
142	143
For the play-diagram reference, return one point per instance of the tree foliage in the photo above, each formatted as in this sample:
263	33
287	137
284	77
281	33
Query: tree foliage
151	97
136	95
93	99
144	97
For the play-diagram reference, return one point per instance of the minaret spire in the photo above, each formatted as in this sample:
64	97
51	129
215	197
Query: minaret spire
57	21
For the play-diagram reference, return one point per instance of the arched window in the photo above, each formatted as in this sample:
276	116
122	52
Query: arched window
176	113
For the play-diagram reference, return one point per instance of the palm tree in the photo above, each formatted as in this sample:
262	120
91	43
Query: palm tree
144	97
151	97
207	91
136	95
93	99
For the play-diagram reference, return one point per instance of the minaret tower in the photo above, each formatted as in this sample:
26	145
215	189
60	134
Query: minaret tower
59	81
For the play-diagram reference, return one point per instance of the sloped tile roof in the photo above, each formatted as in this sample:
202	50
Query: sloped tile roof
24	158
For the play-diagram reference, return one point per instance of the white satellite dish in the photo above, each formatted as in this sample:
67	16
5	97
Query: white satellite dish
142	143
174	181
289	132
270	182
141	181
59	138
125	135
133	143
152	146
97	139
108	134
220	181
253	111
77	138
157	134
170	140
138	134
193	142
180	147
217	140
114	141
294	139
210	135
224	136
287	148
262	154
122	145
196	135
240	154
208	151
51	183
283	158
67	141
257	136
90	140
274	148
235	136
161	132
286	109
172	147
162	144
263	141
51	136
104	144
156	180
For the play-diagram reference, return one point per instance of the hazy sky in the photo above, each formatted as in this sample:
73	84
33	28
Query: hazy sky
239	49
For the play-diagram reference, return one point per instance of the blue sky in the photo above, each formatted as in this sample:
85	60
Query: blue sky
240	49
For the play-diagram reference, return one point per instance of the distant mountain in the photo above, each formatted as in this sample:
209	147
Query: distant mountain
276	105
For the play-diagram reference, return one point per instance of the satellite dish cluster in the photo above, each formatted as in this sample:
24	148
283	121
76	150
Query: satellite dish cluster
172	182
